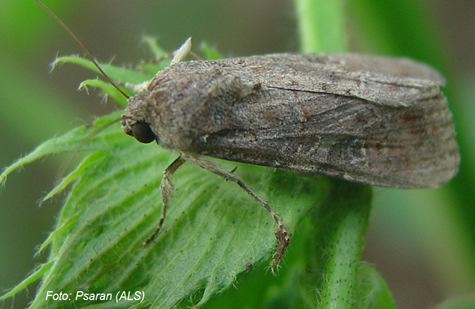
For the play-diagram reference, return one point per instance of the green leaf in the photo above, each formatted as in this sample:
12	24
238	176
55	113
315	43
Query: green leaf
78	139
257	288
209	51
107	88
155	49
35	276
212	231
119	74
161	60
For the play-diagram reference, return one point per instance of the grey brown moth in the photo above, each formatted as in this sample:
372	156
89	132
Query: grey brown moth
375	120
369	119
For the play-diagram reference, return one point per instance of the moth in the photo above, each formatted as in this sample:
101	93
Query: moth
369	119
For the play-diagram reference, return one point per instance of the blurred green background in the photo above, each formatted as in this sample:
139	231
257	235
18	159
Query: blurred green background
421	241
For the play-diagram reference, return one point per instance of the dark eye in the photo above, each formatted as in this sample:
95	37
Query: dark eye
142	132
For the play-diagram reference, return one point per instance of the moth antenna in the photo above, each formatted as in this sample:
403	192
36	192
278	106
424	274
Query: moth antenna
60	22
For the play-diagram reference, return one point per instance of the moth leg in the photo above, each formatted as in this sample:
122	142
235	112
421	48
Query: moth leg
177	56
181	52
166	188
282	234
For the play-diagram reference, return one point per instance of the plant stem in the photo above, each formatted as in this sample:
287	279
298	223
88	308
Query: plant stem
341	222
321	25
338	246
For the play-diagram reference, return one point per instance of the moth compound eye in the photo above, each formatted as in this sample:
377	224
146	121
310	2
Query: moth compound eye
142	132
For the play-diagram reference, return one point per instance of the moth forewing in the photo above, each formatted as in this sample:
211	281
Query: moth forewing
406	71
348	138
381	80
417	150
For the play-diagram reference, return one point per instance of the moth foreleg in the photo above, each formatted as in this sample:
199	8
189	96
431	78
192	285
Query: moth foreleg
282	234
166	188
177	56
181	52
